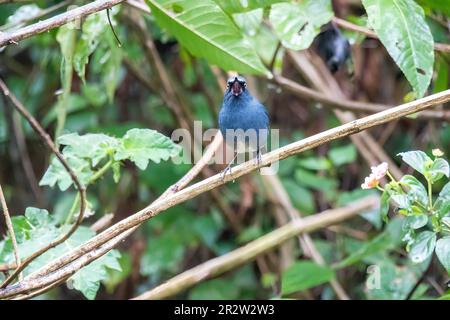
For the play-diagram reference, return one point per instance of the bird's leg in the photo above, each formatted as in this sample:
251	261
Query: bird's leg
228	168
258	158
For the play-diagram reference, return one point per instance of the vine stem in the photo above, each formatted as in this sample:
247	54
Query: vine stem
430	196
10	227
94	178
81	189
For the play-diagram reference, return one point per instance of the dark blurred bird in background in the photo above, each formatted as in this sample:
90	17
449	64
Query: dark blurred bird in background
333	47
243	120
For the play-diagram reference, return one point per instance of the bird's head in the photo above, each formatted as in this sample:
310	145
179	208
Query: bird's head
236	85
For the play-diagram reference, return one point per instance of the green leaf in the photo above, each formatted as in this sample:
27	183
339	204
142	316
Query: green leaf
302	198
66	38
384	205
401	201
423	246
22	14
438	169
249	22
297	24
93	28
441	5
388	239
315	163
401	27
235	6
303	275
88	279
342	155
443	252
112	60
443	200
217	289
218	41
418	160
416	190
415	222
93	146
315	181
395	281
143	145
57	174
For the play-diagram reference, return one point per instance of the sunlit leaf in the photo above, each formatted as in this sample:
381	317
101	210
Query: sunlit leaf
144	145
219	41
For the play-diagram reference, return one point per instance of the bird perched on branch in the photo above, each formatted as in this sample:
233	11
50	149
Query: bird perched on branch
243	120
333	47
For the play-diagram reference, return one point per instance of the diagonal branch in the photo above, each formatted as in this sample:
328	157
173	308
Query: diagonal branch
250	251
81	189
213	182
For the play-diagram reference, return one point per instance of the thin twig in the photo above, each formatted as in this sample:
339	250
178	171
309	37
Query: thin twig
10	228
7	38
213	182
250	251
81	189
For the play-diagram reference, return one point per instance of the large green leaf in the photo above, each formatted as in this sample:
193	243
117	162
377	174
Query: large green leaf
207	31
401	27
303	275
418	160
95	146
236	6
297	24
143	145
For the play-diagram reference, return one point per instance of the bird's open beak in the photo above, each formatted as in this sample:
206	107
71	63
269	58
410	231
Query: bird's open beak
236	88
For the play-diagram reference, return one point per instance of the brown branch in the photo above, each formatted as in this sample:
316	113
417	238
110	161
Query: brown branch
81	189
213	182
250	251
442	47
10	228
347	105
7	38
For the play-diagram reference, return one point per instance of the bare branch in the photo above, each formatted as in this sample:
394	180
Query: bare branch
250	251
7	38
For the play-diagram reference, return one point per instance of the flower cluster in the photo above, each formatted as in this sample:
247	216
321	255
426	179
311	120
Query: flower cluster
375	176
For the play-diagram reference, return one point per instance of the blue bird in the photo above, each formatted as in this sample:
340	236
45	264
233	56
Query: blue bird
243	120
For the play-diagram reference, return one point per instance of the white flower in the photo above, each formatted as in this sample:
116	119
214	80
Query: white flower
378	172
